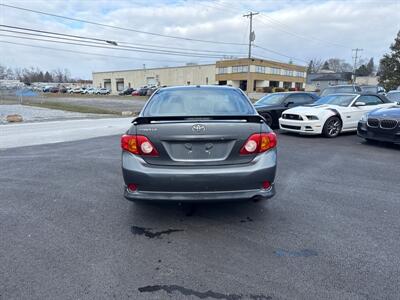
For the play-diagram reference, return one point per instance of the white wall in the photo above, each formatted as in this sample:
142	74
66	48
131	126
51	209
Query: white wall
196	75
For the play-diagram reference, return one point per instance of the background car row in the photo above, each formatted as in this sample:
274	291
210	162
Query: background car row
343	108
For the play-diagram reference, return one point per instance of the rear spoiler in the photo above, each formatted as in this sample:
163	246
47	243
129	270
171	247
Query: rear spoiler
246	118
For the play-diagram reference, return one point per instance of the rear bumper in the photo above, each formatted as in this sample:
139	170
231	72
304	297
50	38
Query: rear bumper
303	127
197	184
220	196
378	134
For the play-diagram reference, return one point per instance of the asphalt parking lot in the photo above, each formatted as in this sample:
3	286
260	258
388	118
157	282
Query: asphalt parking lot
331	232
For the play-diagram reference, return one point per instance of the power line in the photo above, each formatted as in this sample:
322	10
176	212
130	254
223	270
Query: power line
122	28
292	33
132	49
288	30
91	53
278	53
112	42
116	45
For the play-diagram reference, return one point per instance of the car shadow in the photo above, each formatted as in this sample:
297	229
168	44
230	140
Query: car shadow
312	136
174	215
380	145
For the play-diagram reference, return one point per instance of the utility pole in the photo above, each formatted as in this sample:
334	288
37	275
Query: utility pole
252	37
356	50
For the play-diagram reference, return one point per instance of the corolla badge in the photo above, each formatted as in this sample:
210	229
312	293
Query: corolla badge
198	128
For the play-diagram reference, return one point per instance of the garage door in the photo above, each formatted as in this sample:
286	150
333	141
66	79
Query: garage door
120	85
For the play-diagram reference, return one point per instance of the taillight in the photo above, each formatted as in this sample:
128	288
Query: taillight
138	144
258	143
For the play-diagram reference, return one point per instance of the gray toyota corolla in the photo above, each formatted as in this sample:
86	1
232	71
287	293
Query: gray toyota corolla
199	143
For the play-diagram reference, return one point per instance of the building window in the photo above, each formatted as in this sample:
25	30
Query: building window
222	70
299	74
275	71
287	85
240	69
260	69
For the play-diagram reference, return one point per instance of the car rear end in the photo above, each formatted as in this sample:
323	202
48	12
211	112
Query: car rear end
199	144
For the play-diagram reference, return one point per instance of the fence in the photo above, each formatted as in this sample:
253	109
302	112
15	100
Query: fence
19	95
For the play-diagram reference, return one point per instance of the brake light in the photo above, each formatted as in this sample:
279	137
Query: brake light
138	144
258	143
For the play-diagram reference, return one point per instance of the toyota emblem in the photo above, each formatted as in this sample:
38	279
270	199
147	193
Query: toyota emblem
198	128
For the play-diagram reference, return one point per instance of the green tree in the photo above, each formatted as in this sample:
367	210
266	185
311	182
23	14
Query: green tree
370	66
389	67
362	71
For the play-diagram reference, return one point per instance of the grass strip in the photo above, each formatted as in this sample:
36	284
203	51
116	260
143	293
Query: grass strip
73	108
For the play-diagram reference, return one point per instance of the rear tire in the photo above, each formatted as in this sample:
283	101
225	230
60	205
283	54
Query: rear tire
332	127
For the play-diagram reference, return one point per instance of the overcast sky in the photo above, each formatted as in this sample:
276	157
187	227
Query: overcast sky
302	30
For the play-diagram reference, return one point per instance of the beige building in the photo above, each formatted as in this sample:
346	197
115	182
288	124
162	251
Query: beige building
262	74
169	76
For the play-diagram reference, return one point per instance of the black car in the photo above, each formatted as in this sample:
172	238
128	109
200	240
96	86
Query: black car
127	91
143	91
54	89
382	124
271	106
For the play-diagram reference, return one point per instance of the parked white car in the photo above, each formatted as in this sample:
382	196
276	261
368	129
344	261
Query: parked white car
91	91
332	114
103	91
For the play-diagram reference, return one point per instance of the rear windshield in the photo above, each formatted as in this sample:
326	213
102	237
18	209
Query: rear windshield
338	89
369	89
341	100
198	102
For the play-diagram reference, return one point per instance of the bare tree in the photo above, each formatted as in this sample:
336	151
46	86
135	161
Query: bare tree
315	65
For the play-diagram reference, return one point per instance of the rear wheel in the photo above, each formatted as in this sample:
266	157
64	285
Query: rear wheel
268	118
332	127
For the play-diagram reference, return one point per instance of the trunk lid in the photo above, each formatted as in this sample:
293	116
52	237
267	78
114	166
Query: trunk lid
199	141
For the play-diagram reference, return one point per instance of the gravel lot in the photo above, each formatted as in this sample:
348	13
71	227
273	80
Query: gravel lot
332	231
33	114
113	103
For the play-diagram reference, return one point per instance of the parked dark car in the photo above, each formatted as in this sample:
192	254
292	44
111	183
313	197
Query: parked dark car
143	91
54	89
63	90
394	96
372	89
340	89
271	106
151	90
127	91
381	125
204	143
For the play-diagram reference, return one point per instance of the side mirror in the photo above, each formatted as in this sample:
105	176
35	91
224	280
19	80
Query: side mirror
359	103
289	103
